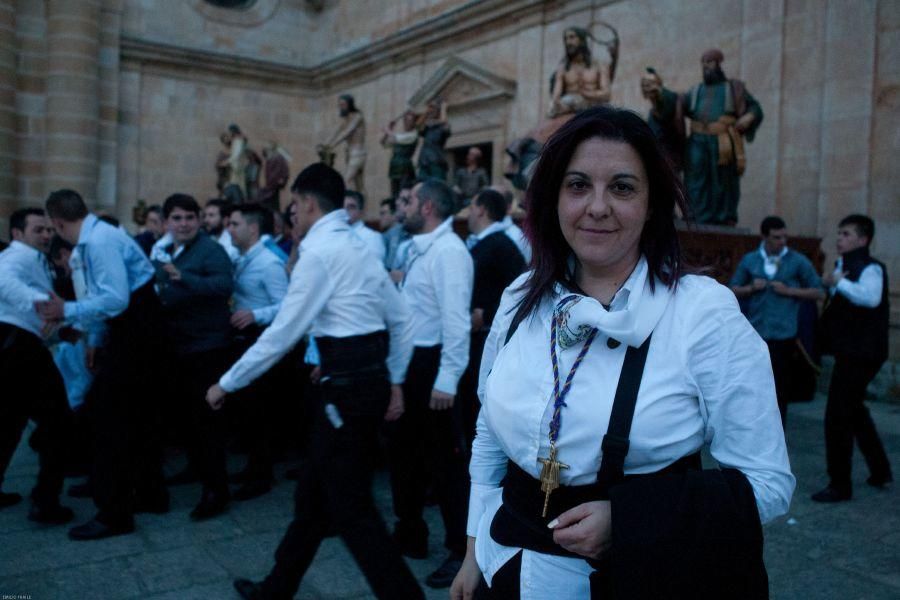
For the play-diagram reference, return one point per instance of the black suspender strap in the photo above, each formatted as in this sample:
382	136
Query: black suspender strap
615	442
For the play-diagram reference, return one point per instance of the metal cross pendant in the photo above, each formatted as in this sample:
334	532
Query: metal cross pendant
550	475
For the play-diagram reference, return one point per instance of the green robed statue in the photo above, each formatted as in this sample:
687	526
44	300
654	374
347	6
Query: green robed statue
722	113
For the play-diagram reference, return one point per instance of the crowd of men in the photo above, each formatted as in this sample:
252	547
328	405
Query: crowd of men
311	325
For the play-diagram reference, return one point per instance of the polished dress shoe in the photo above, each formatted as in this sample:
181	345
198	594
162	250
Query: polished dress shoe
211	505
830	495
881	482
249	590
444	575
9	499
252	489
97	530
50	514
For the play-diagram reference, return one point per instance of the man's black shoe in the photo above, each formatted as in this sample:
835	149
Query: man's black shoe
9	499
188	475
830	495
882	482
249	590
252	489
97	530
210	506
81	490
444	575
50	514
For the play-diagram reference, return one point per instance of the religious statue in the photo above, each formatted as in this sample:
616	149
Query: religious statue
276	173
722	113
434	130
403	146
471	178
580	81
352	131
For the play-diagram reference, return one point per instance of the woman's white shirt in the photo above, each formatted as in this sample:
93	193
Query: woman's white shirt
707	380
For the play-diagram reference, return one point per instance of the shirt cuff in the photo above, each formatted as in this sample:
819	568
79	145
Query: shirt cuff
477	506
227	382
260	315
70	311
446	382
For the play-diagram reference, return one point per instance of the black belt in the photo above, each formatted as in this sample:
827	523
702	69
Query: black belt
519	524
353	356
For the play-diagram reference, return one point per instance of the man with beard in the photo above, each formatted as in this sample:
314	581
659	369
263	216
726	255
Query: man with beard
352	131
215	223
580	80
722	112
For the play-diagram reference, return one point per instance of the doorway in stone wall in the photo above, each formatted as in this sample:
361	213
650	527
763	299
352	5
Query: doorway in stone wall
456	158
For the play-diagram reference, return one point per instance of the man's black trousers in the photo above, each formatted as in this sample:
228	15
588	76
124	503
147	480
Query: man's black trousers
33	389
429	446
334	495
847	418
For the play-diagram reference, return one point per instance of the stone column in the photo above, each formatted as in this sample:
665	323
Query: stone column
7	106
73	96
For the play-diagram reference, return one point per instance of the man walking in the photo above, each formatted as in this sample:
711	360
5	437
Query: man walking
342	295
33	386
855	327
774	280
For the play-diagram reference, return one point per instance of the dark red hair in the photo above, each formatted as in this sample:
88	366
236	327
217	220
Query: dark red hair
659	239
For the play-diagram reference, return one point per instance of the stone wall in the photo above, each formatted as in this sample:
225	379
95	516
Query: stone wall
124	99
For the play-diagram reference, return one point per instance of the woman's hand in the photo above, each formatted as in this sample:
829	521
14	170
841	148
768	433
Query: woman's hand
468	578
585	529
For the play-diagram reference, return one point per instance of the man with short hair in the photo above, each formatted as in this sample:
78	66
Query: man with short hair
154	228
118	307
194	289
215	222
855	329
354	203
513	231
773	280
393	232
260	283
32	385
428	443
348	303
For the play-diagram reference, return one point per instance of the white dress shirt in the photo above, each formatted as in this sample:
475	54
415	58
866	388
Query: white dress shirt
113	265
866	291
437	286
515	233
224	240
24	279
260	283
373	240
337	289
707	381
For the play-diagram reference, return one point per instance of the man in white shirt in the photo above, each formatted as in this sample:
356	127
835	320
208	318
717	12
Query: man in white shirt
118	307
354	202
429	440
260	283
32	385
855	325
215	222
341	295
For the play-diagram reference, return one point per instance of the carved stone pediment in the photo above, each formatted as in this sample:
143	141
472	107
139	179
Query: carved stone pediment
462	83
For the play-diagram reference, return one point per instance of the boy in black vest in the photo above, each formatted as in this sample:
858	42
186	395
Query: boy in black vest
855	330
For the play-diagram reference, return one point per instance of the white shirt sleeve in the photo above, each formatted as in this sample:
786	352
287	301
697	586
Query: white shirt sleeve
275	281
400	326
452	277
867	291
731	368
307	293
486	469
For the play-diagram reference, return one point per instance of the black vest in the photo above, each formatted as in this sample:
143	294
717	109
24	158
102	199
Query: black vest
852	331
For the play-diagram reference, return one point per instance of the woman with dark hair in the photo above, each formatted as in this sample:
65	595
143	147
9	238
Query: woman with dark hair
607	369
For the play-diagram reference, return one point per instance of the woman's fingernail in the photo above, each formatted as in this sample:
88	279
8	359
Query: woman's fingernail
553	523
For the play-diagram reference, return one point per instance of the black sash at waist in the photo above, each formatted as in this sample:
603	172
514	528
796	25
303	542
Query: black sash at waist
519	524
353	357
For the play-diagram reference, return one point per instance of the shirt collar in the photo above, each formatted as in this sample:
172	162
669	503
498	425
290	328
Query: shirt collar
86	226
492	228
423	241
22	246
766	256
333	221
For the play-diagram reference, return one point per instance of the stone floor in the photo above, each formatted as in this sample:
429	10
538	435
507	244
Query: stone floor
848	551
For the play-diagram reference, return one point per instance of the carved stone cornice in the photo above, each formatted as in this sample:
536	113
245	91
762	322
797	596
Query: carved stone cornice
468	84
